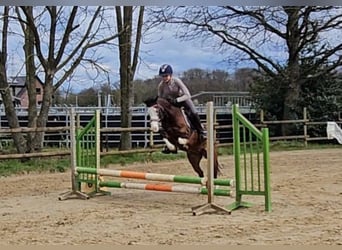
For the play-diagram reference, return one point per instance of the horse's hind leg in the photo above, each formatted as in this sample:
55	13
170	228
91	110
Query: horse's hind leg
195	158
216	163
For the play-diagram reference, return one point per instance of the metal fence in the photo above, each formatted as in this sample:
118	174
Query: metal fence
111	118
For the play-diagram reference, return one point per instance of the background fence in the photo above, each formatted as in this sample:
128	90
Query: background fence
57	133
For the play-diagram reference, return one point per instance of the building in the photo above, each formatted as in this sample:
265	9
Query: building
19	91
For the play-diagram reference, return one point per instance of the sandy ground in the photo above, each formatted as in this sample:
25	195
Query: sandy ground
306	196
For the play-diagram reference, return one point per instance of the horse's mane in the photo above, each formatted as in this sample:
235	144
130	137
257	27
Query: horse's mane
151	101
157	100
169	111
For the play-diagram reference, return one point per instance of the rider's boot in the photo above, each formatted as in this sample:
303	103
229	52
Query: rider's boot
196	123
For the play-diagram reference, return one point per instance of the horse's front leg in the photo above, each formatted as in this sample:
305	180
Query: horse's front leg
169	144
184	142
189	141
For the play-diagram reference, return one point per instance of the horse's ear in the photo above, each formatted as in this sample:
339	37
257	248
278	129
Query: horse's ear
151	101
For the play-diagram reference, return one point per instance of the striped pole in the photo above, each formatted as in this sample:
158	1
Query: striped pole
164	188
153	176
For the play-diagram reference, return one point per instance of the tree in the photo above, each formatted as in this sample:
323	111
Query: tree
128	64
19	140
88	97
275	39
244	78
59	39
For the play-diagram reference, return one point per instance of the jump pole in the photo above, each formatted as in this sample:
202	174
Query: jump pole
153	176
164	188
210	205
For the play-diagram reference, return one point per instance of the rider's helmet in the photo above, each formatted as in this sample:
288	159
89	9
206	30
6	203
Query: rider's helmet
165	69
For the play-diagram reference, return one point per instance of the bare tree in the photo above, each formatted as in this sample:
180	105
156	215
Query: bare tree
30	81
5	91
243	78
128	64
276	39
60	39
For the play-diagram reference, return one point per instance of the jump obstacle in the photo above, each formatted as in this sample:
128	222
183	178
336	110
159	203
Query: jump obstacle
251	157
160	178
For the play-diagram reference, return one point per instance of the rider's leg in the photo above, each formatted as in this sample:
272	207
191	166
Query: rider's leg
196	123
194	118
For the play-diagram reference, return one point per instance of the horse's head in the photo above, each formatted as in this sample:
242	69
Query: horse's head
161	111
153	112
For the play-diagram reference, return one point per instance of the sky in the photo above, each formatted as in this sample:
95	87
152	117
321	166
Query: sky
166	49
168	2
162	48
182	56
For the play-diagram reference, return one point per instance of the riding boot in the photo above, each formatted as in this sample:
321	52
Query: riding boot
196	123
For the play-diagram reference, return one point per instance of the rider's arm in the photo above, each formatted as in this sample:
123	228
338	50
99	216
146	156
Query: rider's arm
184	91
160	91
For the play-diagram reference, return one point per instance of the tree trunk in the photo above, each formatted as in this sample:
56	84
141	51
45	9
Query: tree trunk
126	89
19	140
290	110
44	110
292	73
31	87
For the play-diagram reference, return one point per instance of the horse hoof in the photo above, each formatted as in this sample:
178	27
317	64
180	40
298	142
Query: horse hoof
166	150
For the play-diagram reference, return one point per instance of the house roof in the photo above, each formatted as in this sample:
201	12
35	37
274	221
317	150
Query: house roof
20	81
17	81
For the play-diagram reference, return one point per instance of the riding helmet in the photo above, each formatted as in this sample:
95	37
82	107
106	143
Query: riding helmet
165	69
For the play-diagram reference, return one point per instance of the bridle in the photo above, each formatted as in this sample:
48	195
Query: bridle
160	113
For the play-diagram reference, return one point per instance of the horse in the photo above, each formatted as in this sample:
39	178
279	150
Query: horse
177	132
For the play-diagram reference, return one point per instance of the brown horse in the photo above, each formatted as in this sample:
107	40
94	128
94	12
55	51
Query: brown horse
177	132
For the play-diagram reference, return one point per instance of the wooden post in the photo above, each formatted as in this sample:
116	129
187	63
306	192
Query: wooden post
197	210
305	127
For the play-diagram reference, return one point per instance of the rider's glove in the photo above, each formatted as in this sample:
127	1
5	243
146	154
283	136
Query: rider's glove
173	101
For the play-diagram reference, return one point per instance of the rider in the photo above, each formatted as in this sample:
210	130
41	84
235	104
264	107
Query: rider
175	91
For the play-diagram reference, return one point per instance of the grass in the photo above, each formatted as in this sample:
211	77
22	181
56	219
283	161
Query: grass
140	157
36	165
62	164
